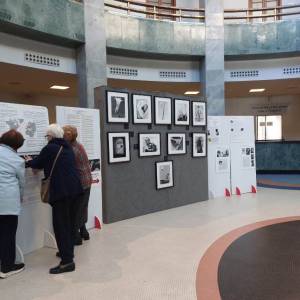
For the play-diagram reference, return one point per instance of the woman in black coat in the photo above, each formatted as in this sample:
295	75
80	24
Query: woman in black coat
64	189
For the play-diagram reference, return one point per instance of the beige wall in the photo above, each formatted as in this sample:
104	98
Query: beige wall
42	100
290	115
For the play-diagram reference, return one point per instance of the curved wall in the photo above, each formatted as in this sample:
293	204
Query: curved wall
154	37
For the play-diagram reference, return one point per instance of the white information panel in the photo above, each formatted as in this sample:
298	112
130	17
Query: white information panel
231	155
218	157
31	121
35	218
242	136
87	122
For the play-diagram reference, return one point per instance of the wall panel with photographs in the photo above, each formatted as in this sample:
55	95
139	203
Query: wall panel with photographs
154	152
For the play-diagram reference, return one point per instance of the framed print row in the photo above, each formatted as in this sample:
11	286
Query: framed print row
150	145
118	110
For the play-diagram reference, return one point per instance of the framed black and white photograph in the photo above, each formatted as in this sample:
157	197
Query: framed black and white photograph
199	144
182	112
163	110
142	109
118	147
164	174
199	113
149	144
117	107
176	143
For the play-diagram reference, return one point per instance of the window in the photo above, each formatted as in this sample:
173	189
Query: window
268	128
165	11
258	4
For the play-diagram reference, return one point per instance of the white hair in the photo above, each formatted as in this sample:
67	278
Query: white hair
55	131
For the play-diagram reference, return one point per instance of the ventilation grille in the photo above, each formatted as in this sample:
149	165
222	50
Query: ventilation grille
291	71
243	74
172	74
123	71
42	59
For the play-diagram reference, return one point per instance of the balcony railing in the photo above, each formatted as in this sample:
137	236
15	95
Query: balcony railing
156	11
262	14
173	13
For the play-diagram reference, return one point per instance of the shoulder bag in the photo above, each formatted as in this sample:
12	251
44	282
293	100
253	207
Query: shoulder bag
45	184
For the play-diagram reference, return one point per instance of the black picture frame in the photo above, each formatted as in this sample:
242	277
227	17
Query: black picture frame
169	111
112	159
141	153
171	152
194	154
159	185
109	114
147	98
202	103
185	114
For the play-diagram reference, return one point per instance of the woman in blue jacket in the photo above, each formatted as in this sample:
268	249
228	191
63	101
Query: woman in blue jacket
12	172
65	188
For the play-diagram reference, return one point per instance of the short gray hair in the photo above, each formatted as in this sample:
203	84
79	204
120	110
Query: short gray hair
55	131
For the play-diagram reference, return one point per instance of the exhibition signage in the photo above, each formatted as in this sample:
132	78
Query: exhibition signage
87	122
231	161
35	219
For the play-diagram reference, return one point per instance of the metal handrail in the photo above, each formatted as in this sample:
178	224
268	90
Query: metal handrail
155	11
176	13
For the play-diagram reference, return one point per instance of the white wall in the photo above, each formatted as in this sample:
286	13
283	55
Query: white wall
290	117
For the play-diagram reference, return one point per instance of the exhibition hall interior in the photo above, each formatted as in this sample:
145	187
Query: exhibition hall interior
186	115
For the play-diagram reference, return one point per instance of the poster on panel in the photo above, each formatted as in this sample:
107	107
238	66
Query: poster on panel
35	219
87	122
242	145
218	157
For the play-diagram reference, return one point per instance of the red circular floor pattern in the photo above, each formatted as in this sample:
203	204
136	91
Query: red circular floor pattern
260	261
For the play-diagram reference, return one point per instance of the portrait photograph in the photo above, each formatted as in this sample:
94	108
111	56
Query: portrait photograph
118	147
199	113
142	109
163	110
176	143
182	112
199	144
117	107
164	175
149	144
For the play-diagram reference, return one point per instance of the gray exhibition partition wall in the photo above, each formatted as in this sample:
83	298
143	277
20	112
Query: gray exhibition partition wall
129	188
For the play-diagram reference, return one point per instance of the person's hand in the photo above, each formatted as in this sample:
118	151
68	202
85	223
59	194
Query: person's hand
27	158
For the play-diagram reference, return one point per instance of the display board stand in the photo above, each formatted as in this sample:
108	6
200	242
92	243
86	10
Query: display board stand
231	161
87	122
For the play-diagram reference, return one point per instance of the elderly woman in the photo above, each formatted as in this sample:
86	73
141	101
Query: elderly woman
12	172
65	187
84	169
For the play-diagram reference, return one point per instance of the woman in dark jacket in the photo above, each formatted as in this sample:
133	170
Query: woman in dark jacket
65	187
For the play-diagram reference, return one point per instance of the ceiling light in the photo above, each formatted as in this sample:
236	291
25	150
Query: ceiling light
59	87
257	90
191	92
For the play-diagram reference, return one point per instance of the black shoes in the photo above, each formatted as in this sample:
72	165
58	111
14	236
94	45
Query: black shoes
14	269
84	233
63	268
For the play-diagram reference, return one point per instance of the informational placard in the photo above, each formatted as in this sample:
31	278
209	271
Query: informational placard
31	121
87	122
231	159
35	219
218	157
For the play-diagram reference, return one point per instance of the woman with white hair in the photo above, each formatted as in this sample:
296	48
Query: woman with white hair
64	189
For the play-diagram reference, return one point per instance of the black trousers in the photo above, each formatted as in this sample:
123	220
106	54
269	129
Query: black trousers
63	212
8	230
82	209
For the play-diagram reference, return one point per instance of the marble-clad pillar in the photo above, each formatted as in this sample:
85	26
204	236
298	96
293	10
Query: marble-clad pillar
213	66
91	57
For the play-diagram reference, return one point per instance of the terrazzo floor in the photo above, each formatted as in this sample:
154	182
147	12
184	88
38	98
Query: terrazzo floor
150	257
